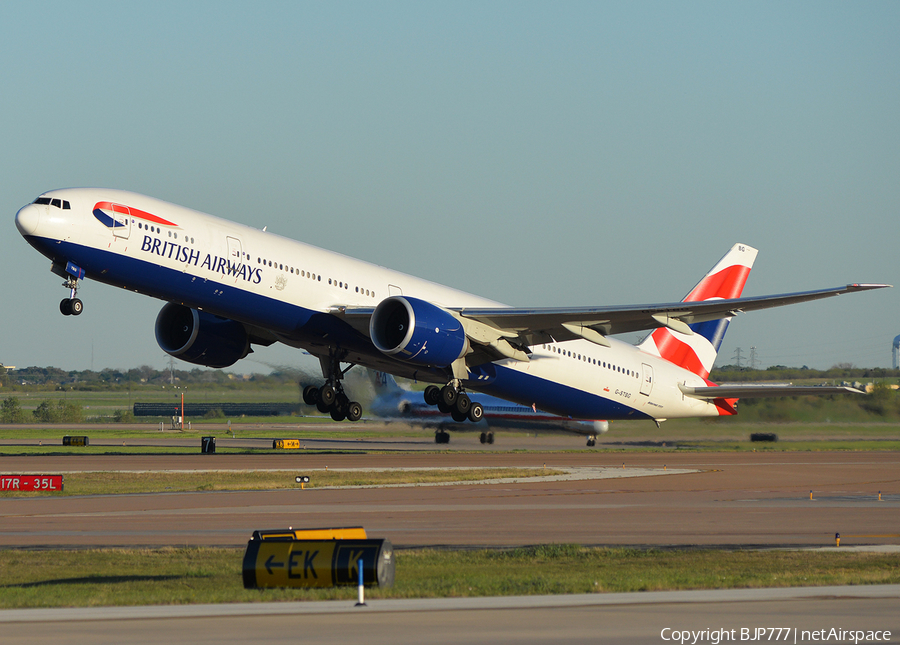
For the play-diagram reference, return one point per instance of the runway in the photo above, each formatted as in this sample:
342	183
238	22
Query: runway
735	499
737	614
683	499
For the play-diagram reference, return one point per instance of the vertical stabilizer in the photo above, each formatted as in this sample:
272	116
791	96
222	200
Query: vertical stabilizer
383	383
697	352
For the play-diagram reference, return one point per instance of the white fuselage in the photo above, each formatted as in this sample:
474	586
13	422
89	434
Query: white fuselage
285	289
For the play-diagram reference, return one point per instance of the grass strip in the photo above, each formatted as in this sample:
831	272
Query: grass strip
121	577
263	429
119	483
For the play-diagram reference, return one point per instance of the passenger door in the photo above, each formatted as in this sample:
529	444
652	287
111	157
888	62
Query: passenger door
121	221
235	257
646	379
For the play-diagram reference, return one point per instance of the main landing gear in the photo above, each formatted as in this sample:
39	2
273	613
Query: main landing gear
71	306
330	397
452	400
592	441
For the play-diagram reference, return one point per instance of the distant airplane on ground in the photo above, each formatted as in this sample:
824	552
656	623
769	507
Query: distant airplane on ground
394	402
228	286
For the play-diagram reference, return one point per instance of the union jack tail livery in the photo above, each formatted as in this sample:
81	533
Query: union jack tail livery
697	352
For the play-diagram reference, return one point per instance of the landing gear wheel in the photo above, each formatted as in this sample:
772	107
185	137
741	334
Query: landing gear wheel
432	394
490	438
76	306
476	413
449	395
354	411
65	307
458	416
310	394
463	404
441	437
483	437
443	407
591	442
338	411
327	395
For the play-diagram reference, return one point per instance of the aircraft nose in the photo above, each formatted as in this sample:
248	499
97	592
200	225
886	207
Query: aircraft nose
27	220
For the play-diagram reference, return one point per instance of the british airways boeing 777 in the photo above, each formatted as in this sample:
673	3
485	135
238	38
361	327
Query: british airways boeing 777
228	287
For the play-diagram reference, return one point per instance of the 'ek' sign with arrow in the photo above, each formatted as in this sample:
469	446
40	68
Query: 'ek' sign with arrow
317	563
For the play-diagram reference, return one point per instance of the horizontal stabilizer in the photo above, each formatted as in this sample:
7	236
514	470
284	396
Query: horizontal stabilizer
764	391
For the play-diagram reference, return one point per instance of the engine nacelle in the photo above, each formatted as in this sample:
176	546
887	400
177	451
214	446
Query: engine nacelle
587	427
201	338
417	331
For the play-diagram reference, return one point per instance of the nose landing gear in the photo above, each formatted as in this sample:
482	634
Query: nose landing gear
71	273
71	306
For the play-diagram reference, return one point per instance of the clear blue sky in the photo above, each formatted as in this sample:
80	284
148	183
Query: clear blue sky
534	153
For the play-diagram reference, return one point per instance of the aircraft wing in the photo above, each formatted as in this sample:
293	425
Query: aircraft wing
504	332
764	391
631	318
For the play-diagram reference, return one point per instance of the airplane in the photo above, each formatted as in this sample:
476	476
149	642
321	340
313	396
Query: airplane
397	403
228	287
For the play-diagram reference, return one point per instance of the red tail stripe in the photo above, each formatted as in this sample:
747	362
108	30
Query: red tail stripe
675	351
726	284
726	407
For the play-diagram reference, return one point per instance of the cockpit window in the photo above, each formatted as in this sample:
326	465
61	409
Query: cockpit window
59	203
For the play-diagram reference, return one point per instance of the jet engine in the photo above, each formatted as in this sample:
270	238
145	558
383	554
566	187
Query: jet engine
201	338
587	427
417	331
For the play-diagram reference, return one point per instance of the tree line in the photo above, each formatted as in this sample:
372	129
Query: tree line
839	372
88	380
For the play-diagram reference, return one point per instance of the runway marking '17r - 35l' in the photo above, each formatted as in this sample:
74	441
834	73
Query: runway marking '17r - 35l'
31	483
